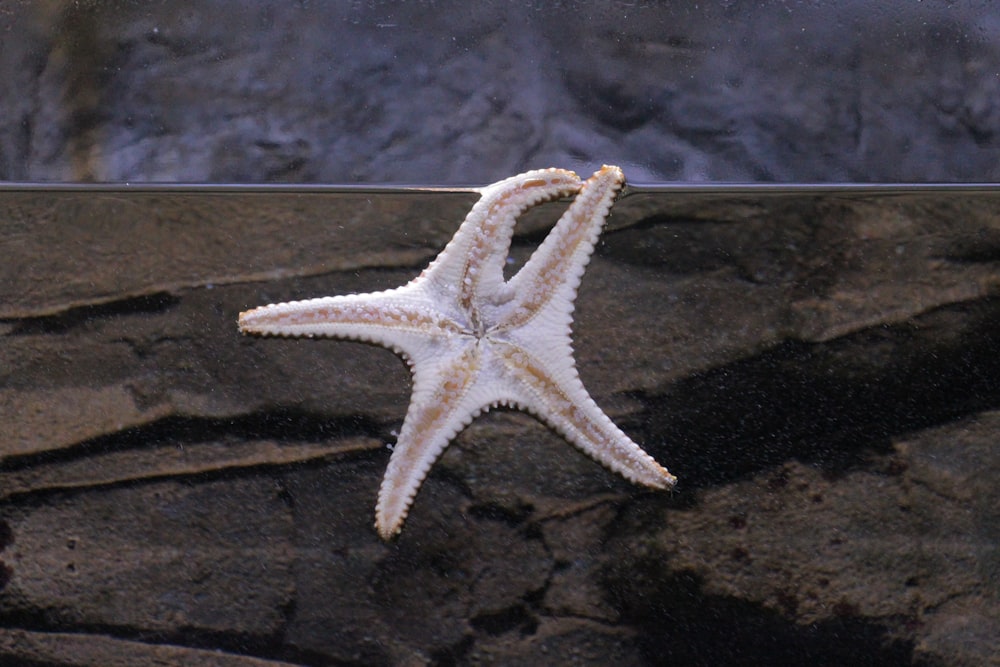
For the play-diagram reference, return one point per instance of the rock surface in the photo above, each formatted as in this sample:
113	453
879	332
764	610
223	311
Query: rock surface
820	371
470	93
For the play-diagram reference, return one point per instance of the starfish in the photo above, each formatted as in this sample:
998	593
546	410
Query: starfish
474	340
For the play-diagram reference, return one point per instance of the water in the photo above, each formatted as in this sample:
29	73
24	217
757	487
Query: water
818	365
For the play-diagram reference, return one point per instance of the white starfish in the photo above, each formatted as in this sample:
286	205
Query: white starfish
474	341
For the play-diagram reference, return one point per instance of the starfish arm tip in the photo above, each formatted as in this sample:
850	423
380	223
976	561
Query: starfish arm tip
245	322
389	515
666	480
386	529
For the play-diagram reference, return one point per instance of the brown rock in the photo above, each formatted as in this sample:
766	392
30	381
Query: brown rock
819	370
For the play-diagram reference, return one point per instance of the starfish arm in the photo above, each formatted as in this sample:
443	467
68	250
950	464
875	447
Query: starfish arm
473	260
553	392
549	280
401	319
443	403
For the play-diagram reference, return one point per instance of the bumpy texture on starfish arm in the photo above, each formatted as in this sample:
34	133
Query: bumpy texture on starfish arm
474	341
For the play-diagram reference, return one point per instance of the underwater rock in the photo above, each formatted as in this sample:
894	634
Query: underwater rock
820	371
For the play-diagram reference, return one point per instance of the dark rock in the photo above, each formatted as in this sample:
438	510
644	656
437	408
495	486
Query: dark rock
820	371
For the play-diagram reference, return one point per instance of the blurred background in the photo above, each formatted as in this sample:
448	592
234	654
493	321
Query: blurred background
466	93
